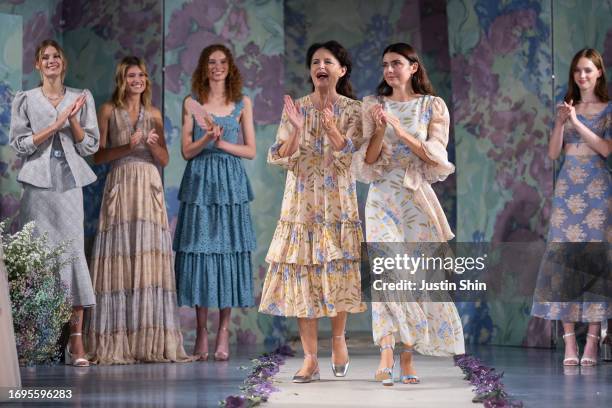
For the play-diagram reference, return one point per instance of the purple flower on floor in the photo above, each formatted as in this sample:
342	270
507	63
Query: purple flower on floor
235	402
487	383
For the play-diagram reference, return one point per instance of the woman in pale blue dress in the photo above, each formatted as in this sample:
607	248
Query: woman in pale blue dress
581	206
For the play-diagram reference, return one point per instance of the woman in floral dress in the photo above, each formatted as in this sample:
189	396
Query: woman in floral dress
314	254
407	128
581	206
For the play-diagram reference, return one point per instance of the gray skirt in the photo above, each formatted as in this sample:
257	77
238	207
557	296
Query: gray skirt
58	211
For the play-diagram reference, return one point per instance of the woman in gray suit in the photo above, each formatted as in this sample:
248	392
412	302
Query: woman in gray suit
52	128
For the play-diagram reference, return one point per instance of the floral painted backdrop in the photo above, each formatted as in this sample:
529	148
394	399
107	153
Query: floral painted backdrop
492	62
11	50
25	24
501	77
96	35
502	66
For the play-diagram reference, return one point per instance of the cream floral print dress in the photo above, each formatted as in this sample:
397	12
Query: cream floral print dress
402	207
314	254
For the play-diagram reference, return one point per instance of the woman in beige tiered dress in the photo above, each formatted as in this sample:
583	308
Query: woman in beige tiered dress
407	131
9	373
136	316
314	254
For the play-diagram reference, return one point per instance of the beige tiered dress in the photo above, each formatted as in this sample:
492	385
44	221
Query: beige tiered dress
136	315
315	252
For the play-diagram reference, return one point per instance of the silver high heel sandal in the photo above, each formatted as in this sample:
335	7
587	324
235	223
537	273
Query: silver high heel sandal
570	361
339	370
314	376
385	375
69	358
588	361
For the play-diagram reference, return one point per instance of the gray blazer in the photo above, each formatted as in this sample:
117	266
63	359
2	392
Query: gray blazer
31	113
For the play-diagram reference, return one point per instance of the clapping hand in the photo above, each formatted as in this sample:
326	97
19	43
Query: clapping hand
70	113
136	138
216	133
77	105
295	116
566	111
379	116
152	138
327	121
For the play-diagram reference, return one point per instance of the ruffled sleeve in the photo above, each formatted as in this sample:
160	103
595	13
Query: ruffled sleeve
282	135
89	122
20	133
354	137
362	171
434	147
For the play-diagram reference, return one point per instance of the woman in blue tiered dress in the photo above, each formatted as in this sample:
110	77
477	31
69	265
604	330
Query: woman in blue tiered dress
214	235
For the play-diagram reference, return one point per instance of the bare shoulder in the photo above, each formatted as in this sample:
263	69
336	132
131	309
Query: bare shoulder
246	101
155	113
106	108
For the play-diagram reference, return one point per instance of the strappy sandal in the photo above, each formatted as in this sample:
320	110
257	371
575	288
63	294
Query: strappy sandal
314	376
69	358
408	378
588	361
202	356
385	375
221	355
570	361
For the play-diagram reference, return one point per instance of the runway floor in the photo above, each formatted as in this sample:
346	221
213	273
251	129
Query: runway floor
534	376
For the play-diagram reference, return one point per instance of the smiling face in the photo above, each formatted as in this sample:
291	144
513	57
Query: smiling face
135	80
218	66
325	69
586	74
397	69
50	63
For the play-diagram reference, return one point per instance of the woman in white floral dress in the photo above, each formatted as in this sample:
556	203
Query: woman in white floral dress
407	131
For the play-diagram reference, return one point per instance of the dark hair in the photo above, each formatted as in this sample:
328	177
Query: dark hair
199	80
601	88
419	80
343	87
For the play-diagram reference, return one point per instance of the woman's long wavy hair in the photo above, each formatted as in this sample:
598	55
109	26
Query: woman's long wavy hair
343	87
419	80
601	87
119	93
39	54
200	85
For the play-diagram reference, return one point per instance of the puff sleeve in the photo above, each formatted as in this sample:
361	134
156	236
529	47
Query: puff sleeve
434	147
353	133
89	122
21	136
282	135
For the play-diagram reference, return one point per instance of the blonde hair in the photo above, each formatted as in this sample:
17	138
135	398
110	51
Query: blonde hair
121	83
40	51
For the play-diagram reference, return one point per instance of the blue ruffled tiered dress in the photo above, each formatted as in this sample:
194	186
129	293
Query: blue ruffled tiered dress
214	234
